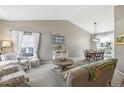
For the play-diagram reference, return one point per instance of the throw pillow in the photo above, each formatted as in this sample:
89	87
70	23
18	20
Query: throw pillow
10	56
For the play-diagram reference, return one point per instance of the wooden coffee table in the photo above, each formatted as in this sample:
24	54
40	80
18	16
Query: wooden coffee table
63	64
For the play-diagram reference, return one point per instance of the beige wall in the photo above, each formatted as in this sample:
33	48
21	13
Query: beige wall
4	30
76	38
119	29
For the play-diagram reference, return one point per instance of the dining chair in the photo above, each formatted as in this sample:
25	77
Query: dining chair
87	55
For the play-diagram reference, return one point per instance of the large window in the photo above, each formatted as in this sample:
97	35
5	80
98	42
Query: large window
107	43
26	43
27	46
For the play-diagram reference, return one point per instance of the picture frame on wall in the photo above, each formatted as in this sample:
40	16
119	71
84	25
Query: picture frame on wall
57	39
119	39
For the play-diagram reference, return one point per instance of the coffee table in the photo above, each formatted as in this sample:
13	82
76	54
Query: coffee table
63	64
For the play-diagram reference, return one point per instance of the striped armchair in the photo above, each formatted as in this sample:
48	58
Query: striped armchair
13	76
98	74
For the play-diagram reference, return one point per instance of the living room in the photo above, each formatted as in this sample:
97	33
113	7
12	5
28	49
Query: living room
40	49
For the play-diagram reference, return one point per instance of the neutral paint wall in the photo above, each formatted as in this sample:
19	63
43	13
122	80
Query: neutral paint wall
76	38
4	32
119	29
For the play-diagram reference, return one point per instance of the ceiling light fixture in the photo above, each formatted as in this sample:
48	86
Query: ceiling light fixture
95	31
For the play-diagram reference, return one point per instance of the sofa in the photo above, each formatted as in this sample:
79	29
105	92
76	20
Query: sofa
16	59
13	76
97	74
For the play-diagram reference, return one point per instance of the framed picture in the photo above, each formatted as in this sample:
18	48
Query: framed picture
57	39
119	39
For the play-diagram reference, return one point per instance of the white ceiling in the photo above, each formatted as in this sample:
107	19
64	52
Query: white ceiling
40	12
82	15
102	15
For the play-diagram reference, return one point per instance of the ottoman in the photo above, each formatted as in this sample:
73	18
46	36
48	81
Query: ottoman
34	62
25	64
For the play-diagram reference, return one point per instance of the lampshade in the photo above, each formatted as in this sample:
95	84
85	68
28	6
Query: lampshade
6	44
95	40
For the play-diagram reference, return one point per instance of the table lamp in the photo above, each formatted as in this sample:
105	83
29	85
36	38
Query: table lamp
5	44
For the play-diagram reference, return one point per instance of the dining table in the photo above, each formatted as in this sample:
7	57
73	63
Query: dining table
95	55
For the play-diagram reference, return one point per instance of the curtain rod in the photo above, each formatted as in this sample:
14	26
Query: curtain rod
27	31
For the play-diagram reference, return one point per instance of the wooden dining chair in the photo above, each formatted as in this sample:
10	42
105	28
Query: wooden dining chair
97	56
87	55
102	53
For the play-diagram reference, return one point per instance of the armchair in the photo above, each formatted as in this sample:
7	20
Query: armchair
97	74
13	76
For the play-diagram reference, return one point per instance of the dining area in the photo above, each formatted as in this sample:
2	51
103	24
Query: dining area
94	55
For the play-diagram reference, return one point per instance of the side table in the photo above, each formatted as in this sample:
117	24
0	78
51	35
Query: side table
35	62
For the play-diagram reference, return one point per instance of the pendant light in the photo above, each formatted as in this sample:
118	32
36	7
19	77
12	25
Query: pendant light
95	31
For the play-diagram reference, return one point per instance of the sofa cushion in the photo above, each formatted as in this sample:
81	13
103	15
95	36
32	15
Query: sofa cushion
96	68
13	79
5	63
11	56
66	73
9	69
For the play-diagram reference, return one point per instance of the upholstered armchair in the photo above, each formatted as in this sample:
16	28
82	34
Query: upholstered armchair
97	74
13	76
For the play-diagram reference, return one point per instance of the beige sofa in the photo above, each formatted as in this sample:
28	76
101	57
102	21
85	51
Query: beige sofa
14	59
98	74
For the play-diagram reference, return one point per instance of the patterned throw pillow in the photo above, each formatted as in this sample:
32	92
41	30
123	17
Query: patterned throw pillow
10	56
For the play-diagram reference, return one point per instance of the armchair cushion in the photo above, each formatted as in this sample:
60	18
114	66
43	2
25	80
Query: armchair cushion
5	63
9	69
10	56
14	79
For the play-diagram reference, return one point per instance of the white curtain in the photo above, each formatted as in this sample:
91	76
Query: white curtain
17	37
36	43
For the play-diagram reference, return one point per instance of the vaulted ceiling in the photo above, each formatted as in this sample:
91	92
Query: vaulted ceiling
81	15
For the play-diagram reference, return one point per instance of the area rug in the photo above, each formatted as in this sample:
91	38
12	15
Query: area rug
75	64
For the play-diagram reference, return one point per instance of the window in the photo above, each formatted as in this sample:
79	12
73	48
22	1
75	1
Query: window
27	46
106	41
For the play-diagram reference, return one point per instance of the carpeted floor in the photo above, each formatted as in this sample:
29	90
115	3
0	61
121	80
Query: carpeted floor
46	76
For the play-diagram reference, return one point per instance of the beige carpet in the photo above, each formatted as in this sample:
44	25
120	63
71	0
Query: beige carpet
46	76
